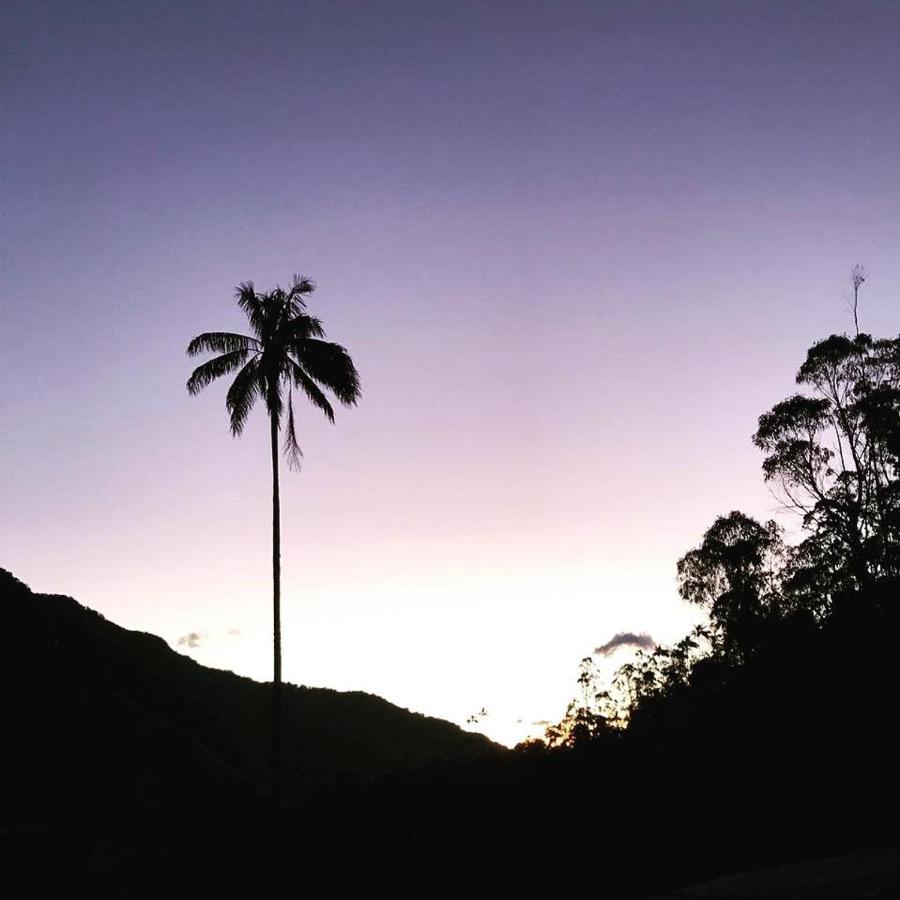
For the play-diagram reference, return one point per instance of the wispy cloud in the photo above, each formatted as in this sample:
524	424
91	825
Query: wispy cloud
625	639
191	640
194	639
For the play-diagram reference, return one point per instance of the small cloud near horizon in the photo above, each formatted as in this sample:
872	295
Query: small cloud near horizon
191	640
625	639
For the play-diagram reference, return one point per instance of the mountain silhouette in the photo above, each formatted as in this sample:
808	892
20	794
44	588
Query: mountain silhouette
102	719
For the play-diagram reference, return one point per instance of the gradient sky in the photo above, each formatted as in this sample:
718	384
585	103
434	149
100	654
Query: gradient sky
575	248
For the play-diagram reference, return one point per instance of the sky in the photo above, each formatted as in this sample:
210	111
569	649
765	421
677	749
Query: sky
574	248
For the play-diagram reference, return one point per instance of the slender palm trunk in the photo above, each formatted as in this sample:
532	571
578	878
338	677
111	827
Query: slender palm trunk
276	618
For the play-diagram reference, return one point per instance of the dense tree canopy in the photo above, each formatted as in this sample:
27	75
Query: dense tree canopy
832	453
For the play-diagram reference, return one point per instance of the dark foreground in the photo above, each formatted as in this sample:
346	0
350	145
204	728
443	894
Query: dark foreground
874	874
439	834
120	780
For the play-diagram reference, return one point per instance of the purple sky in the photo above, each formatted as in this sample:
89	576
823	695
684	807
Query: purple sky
575	249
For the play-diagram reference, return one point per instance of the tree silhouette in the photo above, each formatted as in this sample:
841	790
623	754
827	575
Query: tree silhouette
832	452
285	352
857	280
736	574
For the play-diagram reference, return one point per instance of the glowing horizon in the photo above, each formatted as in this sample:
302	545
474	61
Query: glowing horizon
574	250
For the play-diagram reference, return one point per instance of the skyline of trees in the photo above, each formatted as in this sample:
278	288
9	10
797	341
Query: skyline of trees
832	450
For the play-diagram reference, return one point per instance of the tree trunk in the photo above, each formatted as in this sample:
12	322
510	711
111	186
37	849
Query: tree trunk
276	619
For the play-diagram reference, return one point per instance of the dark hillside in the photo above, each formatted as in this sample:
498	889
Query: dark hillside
87	704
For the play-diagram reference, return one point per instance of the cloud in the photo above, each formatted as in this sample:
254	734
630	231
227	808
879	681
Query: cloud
625	639
542	723
191	639
194	639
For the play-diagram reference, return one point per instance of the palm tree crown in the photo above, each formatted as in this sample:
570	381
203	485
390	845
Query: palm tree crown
286	350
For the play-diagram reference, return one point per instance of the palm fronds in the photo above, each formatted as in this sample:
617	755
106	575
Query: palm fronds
221	342
312	390
252	304
330	365
242	394
301	327
291	445
215	368
287	351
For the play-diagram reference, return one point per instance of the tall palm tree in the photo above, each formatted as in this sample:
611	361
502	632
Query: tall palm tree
284	352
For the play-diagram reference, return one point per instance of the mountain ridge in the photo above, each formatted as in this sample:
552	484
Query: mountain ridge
129	699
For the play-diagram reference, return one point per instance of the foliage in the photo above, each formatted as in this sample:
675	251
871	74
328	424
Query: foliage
592	714
834	453
736	574
286	352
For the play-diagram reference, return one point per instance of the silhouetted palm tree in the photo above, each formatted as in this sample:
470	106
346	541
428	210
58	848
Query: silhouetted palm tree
285	351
